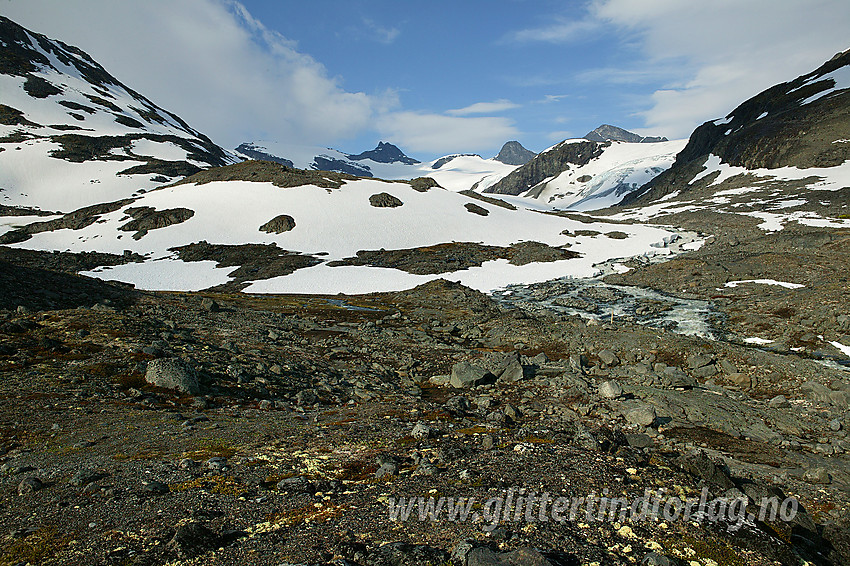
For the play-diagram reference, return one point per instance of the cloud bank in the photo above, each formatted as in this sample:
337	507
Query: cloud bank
709	56
211	63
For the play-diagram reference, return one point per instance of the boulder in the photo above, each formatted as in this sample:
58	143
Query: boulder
466	375
608	358
611	389
173	373
642	414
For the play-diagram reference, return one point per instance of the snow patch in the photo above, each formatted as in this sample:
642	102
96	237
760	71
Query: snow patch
734	284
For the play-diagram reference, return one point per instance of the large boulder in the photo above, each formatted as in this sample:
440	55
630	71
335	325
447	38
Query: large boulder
466	375
173	373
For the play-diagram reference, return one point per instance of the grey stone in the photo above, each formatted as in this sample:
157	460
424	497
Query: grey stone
817	476
835	425
278	224
608	358
483	556
422	431
173	373
513	373
466	375
639	440
643	415
610	389
209	305
779	402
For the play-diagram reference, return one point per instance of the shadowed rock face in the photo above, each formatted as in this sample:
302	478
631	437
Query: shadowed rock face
548	164
773	129
512	153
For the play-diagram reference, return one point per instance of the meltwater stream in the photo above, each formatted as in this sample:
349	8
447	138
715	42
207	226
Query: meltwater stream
594	299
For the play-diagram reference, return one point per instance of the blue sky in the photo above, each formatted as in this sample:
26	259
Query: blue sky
443	77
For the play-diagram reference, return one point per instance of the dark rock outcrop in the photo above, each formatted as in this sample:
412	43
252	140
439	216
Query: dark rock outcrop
512	153
548	164
279	224
607	132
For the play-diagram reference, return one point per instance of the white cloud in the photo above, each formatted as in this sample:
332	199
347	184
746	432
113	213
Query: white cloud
437	133
561	31
549	98
484	108
707	57
211	63
380	33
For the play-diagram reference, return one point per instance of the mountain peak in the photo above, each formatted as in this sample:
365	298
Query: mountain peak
607	132
385	152
513	153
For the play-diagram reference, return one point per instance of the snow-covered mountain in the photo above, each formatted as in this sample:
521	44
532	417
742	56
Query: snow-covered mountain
386	161
72	135
782	157
588	175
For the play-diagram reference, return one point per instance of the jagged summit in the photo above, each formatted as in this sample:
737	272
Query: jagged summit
513	153
385	153
607	132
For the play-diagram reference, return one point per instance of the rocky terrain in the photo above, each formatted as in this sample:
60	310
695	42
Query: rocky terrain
704	355
145	428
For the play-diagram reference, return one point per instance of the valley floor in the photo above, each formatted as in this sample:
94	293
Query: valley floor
314	413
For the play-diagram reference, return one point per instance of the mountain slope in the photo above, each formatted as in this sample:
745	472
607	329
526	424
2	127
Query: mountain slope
66	122
588	175
268	228
802	124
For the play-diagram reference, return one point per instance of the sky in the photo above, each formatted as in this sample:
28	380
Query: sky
440	77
